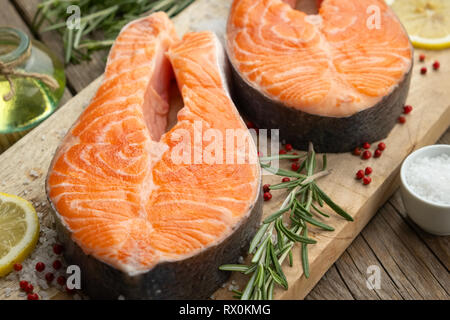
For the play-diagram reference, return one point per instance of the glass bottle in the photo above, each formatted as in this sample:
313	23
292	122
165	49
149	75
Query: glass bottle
31	100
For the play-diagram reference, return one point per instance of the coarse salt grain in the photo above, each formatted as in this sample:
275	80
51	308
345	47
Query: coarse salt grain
8	292
429	177
34	173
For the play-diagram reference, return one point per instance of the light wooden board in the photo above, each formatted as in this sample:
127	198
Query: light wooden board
431	117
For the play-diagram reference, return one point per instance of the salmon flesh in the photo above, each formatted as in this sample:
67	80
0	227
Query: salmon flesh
337	78
139	224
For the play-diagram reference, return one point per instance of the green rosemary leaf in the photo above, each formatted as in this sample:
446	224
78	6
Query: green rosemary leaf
261	250
281	157
311	164
277	266
303	209
263	294
78	35
237	292
312	221
69	45
309	200
324	162
280	239
257	294
320	211
283	250
99	17
277	278
317	198
276	215
302	189
234	267
292	236
260	276
38	18
246	294
302	166
261	232
291	259
270	291
332	205
268	259
282	172
285	185
95	45
251	269
305	260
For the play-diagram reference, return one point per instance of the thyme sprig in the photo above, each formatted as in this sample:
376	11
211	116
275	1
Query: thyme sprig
107	17
275	239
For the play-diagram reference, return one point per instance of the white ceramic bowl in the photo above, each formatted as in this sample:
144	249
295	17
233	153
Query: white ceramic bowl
431	216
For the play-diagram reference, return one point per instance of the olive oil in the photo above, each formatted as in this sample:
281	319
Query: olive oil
32	100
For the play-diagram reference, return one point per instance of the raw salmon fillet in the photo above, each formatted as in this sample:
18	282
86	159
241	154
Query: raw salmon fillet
340	62
116	188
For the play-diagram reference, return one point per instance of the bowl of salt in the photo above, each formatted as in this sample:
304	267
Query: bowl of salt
425	188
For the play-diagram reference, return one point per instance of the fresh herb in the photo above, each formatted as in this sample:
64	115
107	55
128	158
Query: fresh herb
275	239
107	17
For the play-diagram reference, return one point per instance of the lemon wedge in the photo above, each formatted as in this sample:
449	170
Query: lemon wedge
426	21
19	231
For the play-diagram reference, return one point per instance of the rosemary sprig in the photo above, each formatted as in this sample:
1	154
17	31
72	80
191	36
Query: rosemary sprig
275	239
107	17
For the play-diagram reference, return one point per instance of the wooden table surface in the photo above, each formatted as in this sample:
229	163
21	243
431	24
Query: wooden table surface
412	263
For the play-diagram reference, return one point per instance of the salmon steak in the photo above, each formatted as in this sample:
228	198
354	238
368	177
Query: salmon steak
337	78
139	222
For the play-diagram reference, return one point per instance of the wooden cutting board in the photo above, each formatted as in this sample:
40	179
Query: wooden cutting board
23	167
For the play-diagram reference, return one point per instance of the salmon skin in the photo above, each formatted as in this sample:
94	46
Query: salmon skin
337	78
139	224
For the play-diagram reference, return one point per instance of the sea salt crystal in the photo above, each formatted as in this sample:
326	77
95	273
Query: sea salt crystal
34	174
429	177
8	292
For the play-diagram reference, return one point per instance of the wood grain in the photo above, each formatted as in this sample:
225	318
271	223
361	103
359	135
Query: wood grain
431	117
411	274
331	288
440	246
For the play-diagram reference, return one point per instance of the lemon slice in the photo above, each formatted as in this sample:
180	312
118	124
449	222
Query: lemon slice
426	21
19	231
